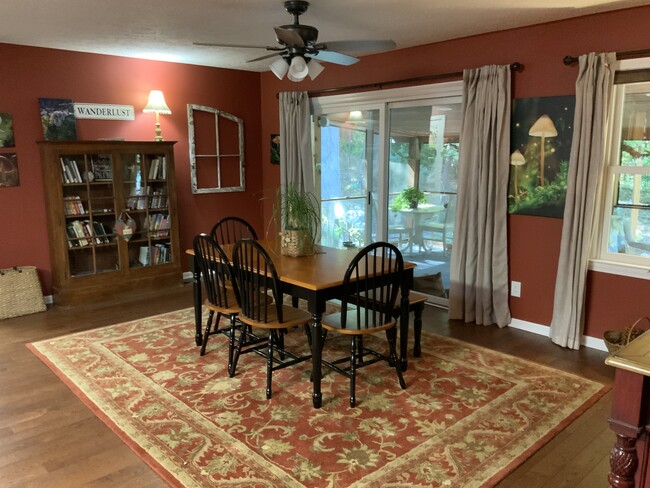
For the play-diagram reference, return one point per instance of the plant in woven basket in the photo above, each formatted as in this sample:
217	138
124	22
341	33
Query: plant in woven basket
298	213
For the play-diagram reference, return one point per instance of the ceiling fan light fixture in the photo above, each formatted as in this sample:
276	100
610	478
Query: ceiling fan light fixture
279	67
315	68
298	69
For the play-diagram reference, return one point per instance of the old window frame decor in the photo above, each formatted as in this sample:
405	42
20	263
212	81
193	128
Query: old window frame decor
197	188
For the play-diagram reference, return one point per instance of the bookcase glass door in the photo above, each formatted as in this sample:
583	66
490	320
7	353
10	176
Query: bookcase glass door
89	210
146	202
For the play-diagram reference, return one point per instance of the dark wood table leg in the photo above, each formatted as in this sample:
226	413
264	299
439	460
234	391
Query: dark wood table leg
316	349
404	328
418	311
198	320
627	420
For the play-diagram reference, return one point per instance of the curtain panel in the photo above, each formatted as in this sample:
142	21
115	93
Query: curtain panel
586	165
296	164
479	260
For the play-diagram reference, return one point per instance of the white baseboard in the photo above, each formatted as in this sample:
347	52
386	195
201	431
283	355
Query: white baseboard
545	330
188	276
49	299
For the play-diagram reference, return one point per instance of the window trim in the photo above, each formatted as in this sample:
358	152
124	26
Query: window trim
602	260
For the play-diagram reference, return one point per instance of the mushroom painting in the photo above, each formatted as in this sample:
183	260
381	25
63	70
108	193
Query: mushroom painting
541	134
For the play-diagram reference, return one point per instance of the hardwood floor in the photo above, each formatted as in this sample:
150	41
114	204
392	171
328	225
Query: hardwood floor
49	439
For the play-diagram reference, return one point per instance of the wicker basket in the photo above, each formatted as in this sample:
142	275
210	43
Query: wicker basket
616	339
20	292
296	243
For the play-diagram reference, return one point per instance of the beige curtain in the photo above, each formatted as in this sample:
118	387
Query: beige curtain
295	141
586	165
479	259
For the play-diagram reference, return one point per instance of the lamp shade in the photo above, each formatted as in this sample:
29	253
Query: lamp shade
315	68
279	67
298	69
156	103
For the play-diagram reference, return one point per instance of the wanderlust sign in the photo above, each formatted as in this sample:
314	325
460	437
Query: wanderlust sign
103	111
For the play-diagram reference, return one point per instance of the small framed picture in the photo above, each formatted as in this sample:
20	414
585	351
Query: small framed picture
275	148
8	170
6	130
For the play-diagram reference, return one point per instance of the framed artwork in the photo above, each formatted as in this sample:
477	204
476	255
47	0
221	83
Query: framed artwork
6	130
58	119
275	148
542	129
8	170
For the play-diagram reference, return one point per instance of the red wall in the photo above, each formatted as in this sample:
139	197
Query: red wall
30	73
534	242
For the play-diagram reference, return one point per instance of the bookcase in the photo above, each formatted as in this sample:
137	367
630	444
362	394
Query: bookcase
112	219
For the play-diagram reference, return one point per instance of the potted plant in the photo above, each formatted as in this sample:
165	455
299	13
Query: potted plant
408	198
298	213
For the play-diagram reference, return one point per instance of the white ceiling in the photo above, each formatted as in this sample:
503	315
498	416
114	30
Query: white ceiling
166	29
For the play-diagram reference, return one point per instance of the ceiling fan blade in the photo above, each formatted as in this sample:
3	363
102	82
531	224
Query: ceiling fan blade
334	57
266	57
357	46
288	37
246	46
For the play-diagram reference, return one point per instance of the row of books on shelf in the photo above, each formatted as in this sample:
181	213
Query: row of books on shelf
72	205
138	199
157	224
156	254
83	233
158	169
70	171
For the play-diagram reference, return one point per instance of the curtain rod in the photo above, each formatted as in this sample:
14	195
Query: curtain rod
514	66
568	60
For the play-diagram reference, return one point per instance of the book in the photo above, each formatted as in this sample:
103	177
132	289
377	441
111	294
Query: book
102	167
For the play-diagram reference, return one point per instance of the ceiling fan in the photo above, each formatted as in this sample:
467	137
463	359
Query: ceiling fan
299	52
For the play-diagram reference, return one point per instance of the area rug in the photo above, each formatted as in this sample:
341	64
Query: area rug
468	417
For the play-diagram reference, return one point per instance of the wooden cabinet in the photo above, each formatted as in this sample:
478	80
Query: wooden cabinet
112	219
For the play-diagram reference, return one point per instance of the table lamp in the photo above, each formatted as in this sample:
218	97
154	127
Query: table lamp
157	105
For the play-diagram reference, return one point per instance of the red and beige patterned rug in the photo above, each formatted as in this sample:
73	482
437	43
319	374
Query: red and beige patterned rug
468	417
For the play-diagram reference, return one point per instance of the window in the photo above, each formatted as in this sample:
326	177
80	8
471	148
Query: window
216	141
625	236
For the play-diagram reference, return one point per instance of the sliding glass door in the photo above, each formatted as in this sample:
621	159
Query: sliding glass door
348	152
371	157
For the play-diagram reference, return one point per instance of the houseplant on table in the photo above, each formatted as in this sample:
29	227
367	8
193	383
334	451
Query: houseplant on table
408	198
298	213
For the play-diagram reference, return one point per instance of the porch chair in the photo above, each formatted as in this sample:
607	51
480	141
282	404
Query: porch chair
262	308
220	288
371	285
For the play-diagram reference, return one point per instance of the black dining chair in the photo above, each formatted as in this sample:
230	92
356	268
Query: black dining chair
262	308
227	231
232	229
371	286
220	287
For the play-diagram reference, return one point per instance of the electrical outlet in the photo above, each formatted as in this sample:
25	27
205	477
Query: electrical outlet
515	288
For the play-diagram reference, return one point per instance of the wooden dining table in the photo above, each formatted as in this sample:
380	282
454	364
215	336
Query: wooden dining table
315	279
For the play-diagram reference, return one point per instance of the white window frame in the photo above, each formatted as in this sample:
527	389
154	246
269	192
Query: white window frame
603	260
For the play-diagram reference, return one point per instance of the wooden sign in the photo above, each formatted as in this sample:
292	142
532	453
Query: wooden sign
103	111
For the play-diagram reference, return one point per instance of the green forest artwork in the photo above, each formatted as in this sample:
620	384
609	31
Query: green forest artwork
6	130
542	129
58	119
